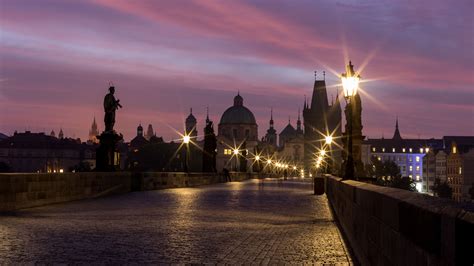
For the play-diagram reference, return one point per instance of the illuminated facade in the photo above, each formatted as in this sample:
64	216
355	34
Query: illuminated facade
460	171
408	154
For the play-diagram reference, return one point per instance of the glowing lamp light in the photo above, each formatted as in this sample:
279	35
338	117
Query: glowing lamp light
323	152
236	152
328	140
257	158
294	167
186	139
350	81
350	86
61	170
269	161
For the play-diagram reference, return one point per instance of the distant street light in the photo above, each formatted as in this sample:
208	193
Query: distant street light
257	158
186	140
350	84
328	140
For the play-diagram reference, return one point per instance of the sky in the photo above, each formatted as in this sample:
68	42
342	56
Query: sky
416	60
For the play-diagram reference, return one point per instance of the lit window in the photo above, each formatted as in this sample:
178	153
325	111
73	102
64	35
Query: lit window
410	159
411	168
454	149
417	178
373	149
403	150
417	158
383	149
393	149
417	168
427	150
411	150
410	176
460	170
380	159
421	150
227	151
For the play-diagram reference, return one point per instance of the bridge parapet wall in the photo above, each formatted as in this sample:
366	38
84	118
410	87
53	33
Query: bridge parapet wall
19	191
388	226
25	190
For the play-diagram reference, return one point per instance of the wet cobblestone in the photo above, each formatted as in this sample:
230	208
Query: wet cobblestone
252	222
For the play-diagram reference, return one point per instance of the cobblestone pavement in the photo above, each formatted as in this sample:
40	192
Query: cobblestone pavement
252	222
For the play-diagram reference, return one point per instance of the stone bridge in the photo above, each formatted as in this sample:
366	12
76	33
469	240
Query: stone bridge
247	221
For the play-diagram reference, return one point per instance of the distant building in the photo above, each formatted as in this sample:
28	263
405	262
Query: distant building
271	136
37	152
237	131
93	133
460	168
434	167
406	153
191	125
61	133
321	119
149	132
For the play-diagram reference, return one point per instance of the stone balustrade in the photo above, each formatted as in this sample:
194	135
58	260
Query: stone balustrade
25	190
388	226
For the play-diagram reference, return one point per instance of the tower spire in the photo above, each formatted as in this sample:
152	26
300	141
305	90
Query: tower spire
298	123
271	117
207	115
396	135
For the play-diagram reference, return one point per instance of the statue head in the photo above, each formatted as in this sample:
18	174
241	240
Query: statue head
112	89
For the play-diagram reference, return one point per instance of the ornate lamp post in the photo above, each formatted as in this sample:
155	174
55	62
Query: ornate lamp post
350	83
186	140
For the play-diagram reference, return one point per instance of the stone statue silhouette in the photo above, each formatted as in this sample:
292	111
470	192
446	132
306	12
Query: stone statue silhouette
110	106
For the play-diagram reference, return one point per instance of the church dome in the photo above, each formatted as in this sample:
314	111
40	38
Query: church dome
238	113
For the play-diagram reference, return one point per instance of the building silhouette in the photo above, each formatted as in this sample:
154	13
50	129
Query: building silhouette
149	132
237	129
321	119
191	125
93	133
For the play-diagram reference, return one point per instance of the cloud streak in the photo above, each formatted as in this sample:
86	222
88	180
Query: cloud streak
167	56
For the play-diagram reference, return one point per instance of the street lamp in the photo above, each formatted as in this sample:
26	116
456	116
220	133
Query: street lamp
350	84
186	140
328	140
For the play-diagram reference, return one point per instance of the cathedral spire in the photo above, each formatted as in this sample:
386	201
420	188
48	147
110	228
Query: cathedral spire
396	135
61	133
207	115
271	117
298	122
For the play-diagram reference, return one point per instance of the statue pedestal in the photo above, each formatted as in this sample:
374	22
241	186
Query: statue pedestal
107	154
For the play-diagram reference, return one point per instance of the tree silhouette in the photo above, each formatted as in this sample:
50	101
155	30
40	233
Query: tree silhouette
442	189
387	173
